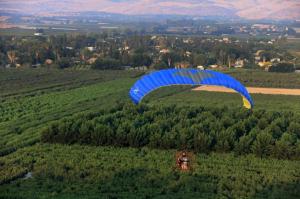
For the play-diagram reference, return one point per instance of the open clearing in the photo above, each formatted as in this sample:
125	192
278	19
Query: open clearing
256	90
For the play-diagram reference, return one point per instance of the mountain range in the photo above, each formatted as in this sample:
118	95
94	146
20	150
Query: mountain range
246	9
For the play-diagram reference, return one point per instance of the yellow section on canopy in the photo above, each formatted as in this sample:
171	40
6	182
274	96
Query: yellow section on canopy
246	103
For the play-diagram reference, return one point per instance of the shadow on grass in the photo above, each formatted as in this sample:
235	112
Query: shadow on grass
145	183
279	191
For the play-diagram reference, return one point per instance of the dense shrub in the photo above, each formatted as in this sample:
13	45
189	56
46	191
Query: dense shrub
283	68
64	63
199	128
107	63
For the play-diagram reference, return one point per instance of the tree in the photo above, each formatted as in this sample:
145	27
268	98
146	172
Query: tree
199	59
243	146
160	65
171	57
284	148
262	123
115	54
121	134
12	56
140	59
64	63
262	146
3	60
275	131
125	58
106	63
294	128
225	140
202	142
85	131
282	67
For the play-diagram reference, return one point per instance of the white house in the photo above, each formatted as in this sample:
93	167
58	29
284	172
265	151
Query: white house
164	51
275	60
38	34
90	48
214	66
200	67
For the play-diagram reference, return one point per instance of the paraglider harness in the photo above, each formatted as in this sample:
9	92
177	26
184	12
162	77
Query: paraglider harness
184	160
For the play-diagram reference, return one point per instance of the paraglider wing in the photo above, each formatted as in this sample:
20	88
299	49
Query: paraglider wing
193	77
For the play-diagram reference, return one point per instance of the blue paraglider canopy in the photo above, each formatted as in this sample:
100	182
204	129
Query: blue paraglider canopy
192	77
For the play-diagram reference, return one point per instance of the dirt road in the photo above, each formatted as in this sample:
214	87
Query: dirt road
270	91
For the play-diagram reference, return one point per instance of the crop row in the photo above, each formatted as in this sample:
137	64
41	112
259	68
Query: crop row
263	133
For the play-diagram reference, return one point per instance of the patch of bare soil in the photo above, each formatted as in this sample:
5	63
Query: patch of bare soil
257	90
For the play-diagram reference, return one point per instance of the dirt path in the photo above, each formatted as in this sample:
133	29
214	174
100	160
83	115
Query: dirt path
270	91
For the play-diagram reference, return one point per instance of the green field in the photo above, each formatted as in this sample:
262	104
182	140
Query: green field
34	99
213	99
50	96
105	172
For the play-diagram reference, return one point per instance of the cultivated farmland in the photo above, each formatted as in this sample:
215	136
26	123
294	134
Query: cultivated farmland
33	101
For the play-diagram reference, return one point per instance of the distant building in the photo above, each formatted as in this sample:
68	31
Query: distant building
265	64
226	39
91	60
39	32
188	53
240	63
200	67
187	41
257	56
257	59
143	68
90	48
214	66
275	60
261	26
164	51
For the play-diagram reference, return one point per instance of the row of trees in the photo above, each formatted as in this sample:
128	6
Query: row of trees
201	129
282	67
126	50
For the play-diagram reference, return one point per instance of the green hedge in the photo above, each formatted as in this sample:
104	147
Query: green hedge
198	128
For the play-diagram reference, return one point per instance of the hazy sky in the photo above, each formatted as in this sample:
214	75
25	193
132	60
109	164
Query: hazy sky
289	9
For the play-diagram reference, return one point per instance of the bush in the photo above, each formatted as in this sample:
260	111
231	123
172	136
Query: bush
197	128
107	63
64	63
282	68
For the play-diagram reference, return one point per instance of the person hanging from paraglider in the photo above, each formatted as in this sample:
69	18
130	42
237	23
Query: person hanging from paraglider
183	161
194	77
